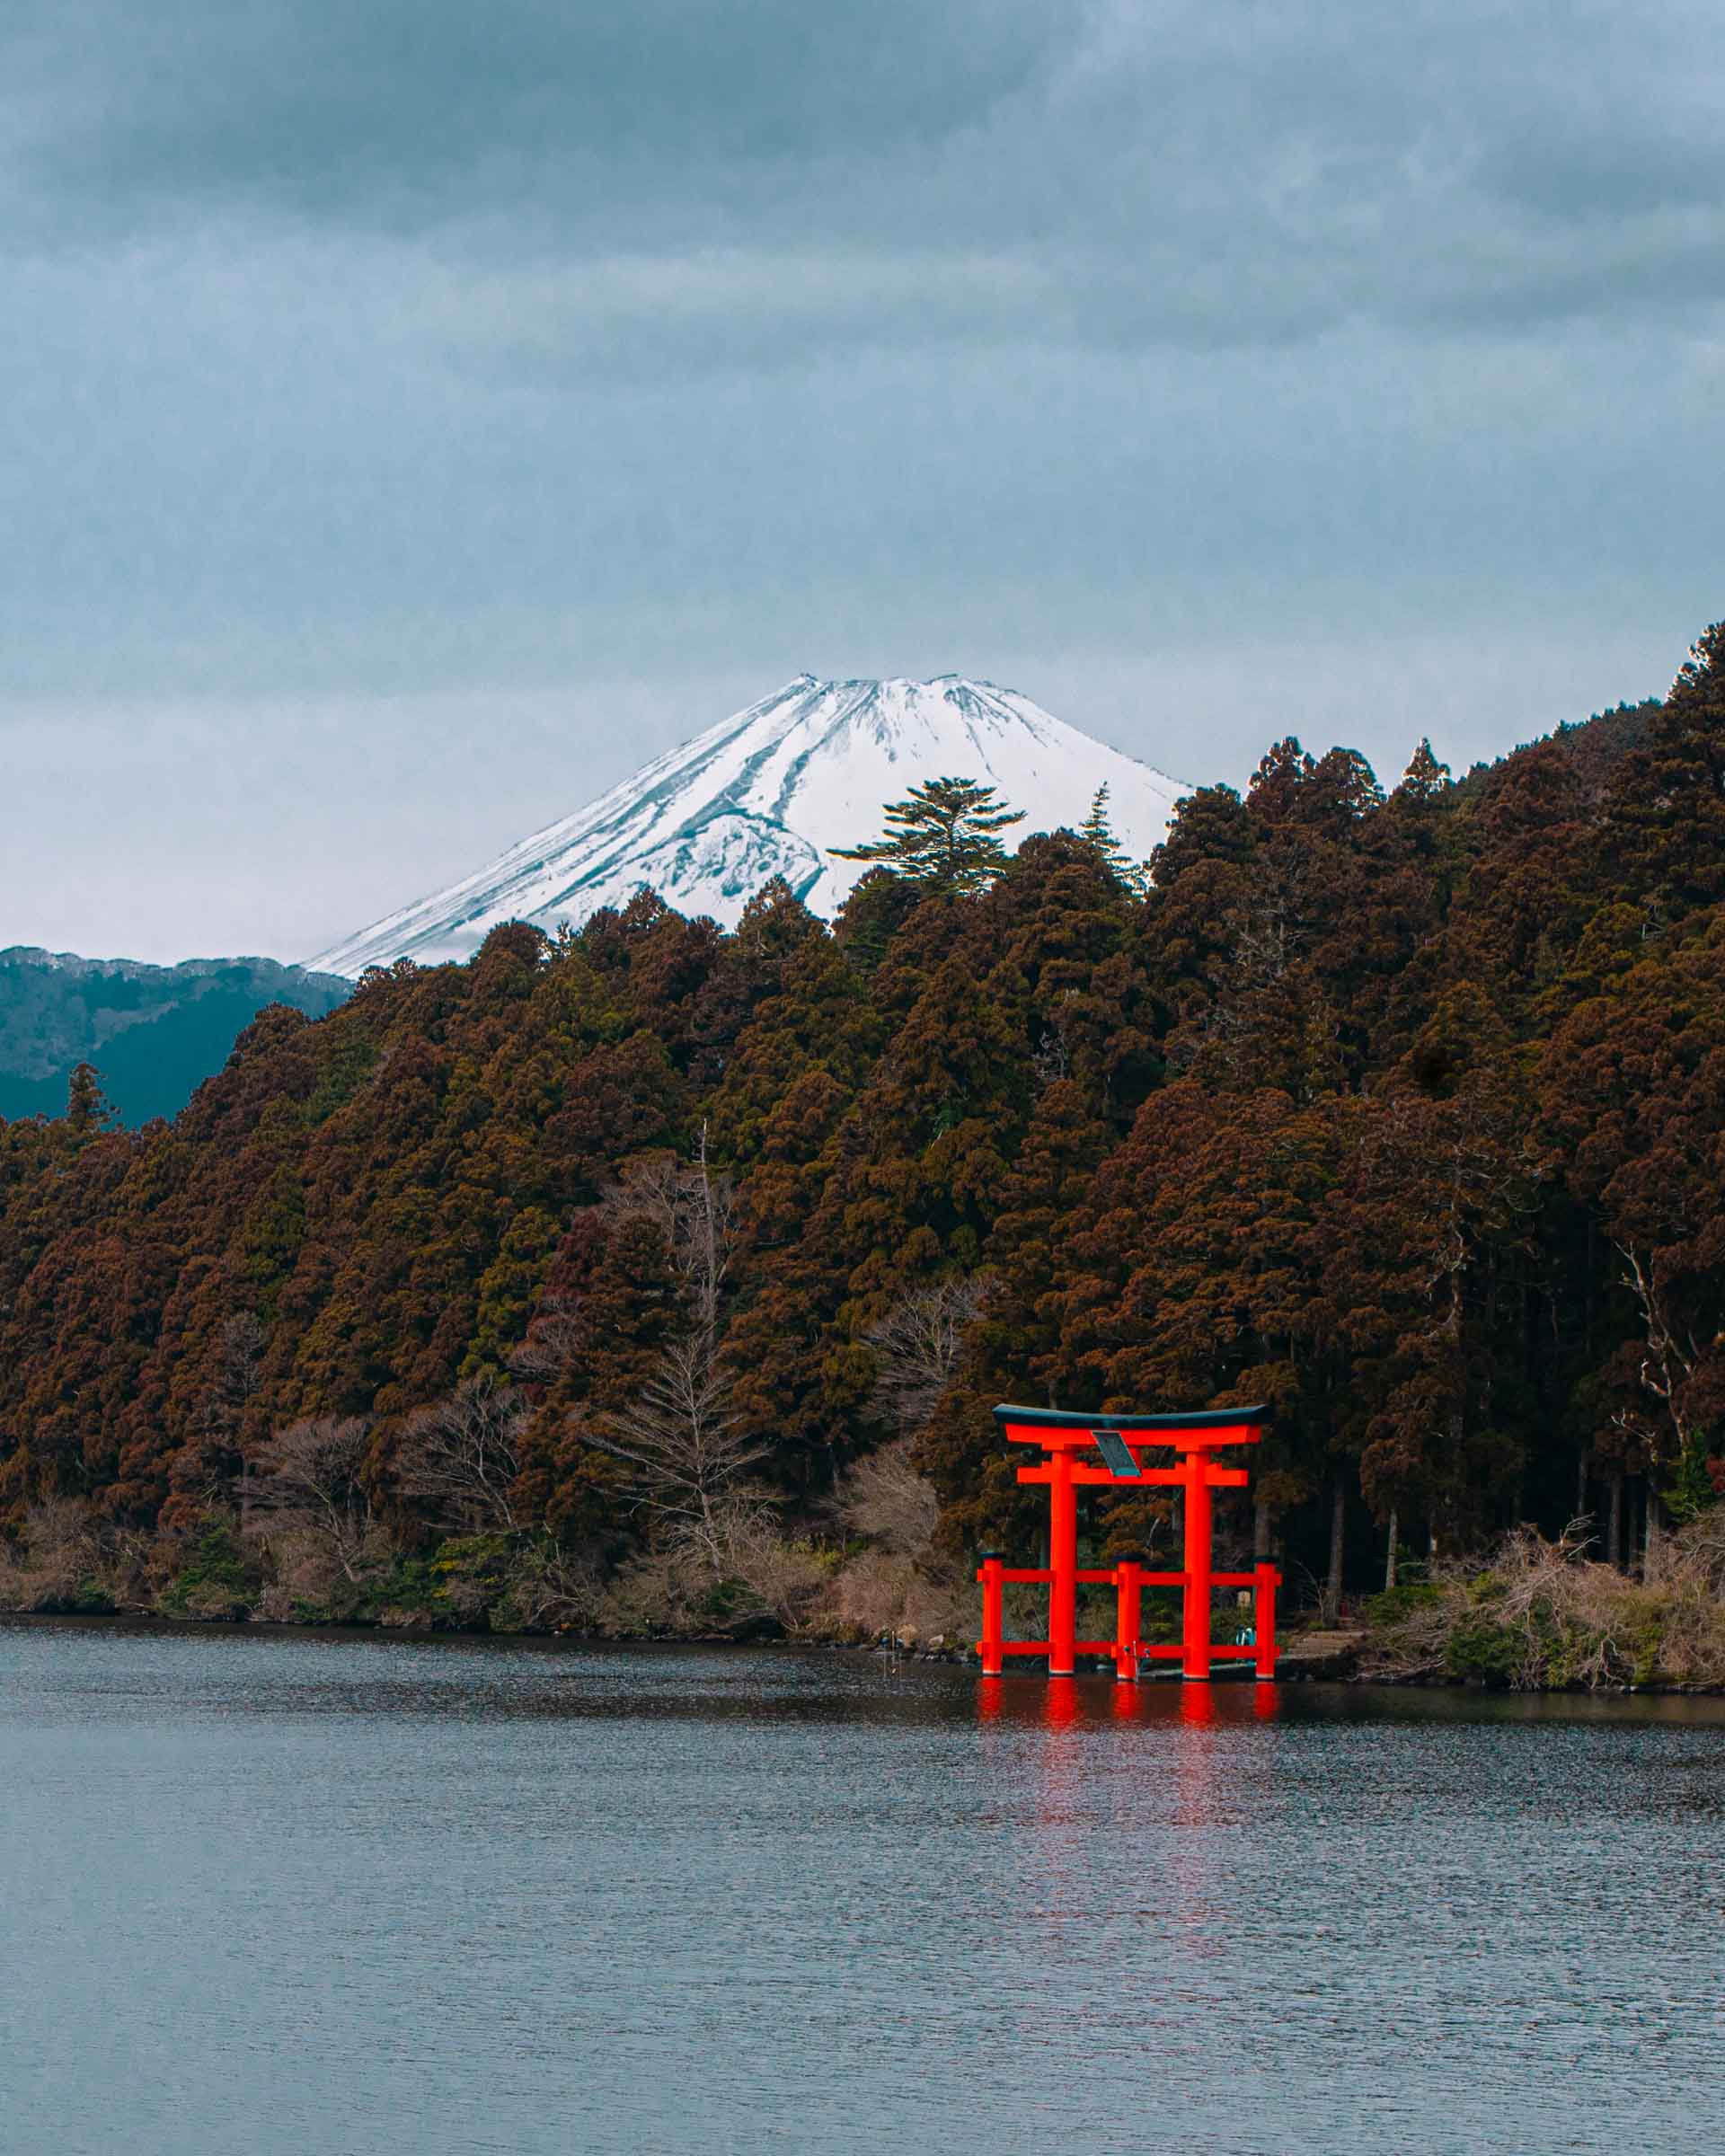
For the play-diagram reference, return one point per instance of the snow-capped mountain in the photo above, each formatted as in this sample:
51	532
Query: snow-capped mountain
770	793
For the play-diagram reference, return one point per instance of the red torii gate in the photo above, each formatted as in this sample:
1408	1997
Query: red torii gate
1122	1441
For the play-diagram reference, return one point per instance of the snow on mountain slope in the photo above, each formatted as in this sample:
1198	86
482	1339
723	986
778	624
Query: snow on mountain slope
768	793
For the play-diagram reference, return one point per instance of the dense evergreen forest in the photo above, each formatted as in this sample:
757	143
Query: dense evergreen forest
655	1246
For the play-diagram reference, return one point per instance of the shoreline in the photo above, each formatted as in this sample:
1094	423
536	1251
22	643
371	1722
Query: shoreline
1338	1669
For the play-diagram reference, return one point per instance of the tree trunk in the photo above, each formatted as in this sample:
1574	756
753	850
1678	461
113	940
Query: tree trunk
1389	1557
1582	1486
1653	1543
1331	1608
1615	1521
1259	1532
709	1234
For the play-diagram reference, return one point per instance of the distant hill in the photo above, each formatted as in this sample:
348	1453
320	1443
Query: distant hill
154	1032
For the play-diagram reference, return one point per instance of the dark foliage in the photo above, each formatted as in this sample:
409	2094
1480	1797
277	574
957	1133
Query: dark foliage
1404	1112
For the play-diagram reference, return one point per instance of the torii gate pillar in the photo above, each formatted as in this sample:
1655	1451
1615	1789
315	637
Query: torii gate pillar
1117	1444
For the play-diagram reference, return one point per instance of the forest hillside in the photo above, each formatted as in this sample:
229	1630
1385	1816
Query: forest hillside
654	1258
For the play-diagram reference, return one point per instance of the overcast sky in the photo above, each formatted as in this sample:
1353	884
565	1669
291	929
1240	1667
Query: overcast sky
414	414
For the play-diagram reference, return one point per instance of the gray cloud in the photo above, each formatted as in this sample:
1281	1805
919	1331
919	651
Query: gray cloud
400	110
704	175
423	369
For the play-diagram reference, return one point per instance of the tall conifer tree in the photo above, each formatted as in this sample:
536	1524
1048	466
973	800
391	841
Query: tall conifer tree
1097	830
945	834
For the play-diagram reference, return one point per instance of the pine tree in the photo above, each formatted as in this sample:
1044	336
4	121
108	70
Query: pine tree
944	835
1096	827
1098	831
1210	825
1665	828
87	1108
1425	778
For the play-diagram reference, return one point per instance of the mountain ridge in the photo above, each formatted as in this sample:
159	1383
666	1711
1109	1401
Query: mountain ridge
156	1033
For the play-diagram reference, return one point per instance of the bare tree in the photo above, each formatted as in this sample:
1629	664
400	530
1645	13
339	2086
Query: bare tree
1666	1369
884	1496
554	1344
241	1340
687	1461
919	1343
682	1443
235	1377
461	1455
309	1476
691	1206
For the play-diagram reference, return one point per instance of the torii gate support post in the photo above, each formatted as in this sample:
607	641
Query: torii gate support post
1263	1632
1128	1588
1062	1435
993	1613
1063	1565
1196	1563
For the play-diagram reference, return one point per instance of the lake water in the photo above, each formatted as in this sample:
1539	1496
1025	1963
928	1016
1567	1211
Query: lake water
300	1894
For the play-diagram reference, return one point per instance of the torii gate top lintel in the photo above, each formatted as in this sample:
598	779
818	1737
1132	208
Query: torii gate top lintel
1065	1429
1119	1443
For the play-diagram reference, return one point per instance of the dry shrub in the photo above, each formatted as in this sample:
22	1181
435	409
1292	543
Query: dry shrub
314	1574
550	1590
59	1564
880	1592
900	1586
709	1577
650	1597
884	1497
1543	1615
1689	1594
785	1575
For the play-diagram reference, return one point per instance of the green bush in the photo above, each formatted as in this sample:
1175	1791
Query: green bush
218	1577
1383	1612
1483	1650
